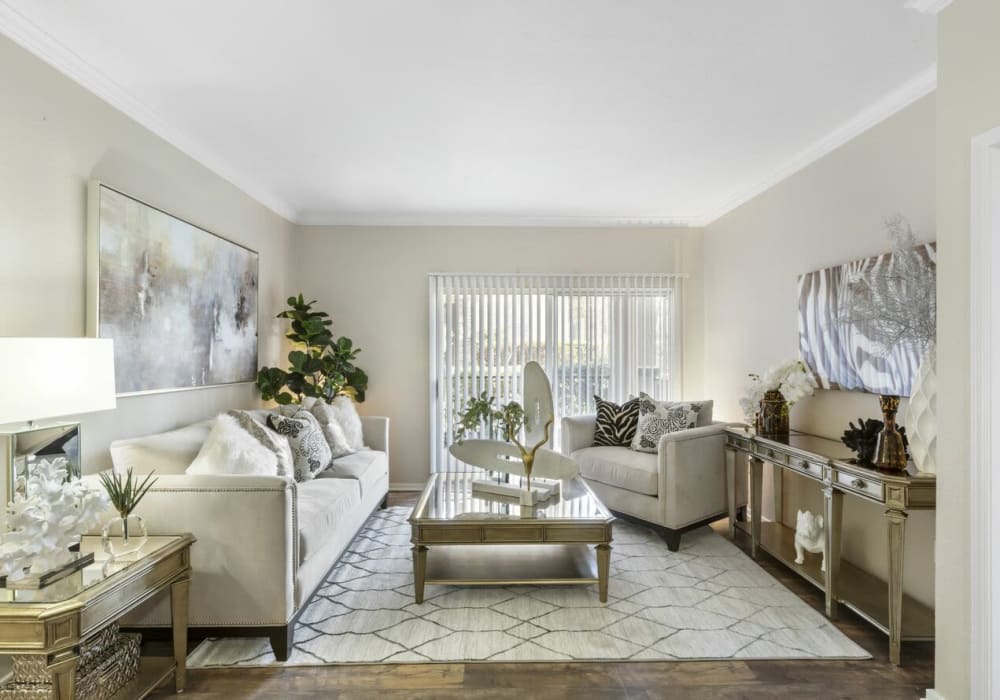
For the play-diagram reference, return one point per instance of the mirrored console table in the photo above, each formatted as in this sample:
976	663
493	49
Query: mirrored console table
827	462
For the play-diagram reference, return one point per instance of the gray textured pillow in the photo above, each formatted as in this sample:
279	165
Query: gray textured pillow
278	444
310	453
657	418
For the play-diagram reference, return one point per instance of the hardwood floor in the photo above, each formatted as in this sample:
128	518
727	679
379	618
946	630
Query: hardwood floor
874	678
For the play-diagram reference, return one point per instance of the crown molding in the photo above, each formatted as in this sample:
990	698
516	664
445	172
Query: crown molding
38	42
927	7
491	220
906	94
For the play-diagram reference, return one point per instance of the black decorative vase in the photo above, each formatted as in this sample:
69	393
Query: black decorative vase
772	418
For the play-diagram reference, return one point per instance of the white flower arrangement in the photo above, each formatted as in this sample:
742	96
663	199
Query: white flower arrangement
793	379
43	524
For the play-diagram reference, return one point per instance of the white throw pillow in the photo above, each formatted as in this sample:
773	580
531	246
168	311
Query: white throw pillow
350	421
278	444
327	416
309	449
229	449
657	418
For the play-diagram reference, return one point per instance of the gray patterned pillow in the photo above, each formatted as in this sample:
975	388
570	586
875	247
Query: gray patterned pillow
310	453
657	418
278	444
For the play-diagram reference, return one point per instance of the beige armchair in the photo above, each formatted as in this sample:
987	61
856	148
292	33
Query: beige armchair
681	487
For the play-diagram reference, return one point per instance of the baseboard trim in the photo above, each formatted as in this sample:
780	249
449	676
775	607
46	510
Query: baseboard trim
406	487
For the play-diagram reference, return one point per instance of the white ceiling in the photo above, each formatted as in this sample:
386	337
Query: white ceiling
493	111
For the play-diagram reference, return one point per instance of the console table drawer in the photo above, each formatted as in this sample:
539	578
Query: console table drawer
865	486
738	442
437	533
769	454
813	470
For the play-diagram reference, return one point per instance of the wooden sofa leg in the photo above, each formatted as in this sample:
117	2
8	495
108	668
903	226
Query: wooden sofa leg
673	539
281	641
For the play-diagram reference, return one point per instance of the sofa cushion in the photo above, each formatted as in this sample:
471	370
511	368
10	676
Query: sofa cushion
322	505
368	467
229	449
620	467
165	453
278	444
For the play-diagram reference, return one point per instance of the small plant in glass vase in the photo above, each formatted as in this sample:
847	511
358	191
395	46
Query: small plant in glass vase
482	412
125	534
768	397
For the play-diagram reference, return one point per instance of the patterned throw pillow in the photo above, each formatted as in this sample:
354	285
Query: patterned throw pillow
310	453
657	418
269	439
615	424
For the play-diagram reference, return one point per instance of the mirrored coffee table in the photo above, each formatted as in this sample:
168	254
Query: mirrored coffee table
461	538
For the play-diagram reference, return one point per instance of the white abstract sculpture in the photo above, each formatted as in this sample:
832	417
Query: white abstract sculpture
45	522
529	458
810	536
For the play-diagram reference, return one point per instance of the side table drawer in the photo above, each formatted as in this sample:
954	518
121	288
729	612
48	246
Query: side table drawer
555	533
871	488
508	533
738	443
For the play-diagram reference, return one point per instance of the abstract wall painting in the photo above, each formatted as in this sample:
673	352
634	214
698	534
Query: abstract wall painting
844	355
179	302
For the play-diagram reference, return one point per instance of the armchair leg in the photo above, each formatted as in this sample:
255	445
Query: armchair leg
385	503
672	538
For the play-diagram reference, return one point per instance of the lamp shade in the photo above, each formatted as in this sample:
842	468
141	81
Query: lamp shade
50	377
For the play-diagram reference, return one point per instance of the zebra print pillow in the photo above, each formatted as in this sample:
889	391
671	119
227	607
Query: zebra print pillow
615	424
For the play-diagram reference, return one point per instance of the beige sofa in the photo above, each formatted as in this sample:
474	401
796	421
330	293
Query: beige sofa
265	543
681	487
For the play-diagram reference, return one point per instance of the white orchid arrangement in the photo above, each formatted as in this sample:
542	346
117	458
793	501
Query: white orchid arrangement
44	523
793	379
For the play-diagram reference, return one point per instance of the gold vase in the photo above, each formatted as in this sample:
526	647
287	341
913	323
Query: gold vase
890	452
772	419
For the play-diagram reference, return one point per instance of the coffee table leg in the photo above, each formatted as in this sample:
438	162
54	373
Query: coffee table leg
419	571
603	569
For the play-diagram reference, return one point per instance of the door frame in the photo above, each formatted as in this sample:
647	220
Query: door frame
984	450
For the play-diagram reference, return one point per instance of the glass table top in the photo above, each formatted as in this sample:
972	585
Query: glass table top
103	568
449	497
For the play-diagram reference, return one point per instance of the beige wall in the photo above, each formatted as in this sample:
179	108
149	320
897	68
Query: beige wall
829	213
968	105
373	281
54	137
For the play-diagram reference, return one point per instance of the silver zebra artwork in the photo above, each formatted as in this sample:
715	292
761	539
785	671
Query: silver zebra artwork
843	355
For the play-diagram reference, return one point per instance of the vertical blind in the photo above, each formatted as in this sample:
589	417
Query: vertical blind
613	335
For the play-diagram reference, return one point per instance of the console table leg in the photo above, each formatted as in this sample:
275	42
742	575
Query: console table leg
731	489
419	571
603	570
833	502
897	531
756	488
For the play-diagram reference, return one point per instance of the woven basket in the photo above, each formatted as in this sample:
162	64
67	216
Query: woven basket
108	669
31	668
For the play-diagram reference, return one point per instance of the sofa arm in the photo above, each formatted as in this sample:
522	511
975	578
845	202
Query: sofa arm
245	559
577	433
375	430
692	475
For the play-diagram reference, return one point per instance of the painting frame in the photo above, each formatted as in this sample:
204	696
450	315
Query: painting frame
93	280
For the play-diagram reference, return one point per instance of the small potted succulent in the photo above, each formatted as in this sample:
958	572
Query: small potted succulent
126	533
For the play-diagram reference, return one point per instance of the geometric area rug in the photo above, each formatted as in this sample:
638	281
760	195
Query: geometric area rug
707	601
